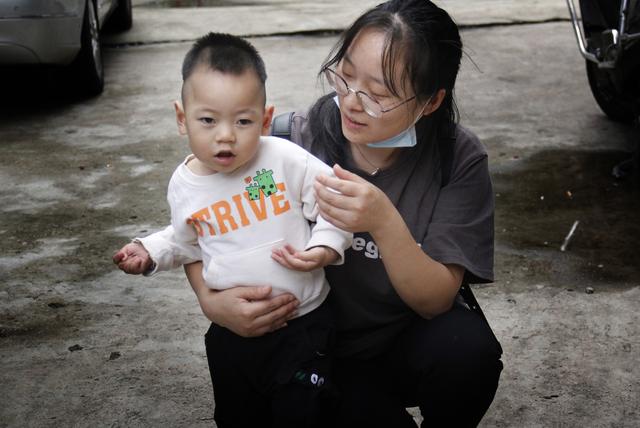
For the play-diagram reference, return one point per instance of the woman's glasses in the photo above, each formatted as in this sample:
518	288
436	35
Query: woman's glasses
369	104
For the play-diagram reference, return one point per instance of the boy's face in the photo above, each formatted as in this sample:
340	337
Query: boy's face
223	116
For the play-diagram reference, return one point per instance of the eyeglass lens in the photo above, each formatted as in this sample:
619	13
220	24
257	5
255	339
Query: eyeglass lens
371	107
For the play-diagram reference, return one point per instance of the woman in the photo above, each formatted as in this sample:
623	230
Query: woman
415	189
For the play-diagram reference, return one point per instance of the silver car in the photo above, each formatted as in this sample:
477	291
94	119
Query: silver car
61	32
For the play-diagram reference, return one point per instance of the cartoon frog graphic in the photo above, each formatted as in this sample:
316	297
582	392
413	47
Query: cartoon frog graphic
264	183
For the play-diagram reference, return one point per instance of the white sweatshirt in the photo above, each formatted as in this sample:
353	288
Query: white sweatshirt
236	219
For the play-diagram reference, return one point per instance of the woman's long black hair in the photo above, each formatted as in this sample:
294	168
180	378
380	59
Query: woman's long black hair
423	40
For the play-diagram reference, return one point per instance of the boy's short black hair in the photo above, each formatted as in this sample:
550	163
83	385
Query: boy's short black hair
224	53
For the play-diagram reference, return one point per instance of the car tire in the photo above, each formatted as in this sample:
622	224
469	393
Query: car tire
121	19
87	68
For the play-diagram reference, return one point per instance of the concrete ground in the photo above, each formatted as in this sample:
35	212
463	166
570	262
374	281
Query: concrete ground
81	344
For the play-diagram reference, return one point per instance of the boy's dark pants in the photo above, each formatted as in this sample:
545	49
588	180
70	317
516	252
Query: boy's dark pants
281	379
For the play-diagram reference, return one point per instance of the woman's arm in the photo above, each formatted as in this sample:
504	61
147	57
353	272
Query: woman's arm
247	311
427	286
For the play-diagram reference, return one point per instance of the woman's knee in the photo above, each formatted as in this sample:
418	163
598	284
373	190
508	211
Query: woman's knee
455	361
458	340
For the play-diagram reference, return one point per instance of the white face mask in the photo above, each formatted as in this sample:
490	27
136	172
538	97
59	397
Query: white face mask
406	138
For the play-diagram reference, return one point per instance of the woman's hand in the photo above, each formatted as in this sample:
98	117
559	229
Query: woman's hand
362	207
247	311
359	207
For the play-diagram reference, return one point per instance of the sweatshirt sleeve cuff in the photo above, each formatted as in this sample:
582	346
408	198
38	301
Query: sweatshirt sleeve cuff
337	240
167	255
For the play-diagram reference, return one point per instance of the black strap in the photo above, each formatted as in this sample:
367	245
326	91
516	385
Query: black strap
281	125
470	300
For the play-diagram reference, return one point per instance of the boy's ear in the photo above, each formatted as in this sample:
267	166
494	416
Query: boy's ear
266	120
181	119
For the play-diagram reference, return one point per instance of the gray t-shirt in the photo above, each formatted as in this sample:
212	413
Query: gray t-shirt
452	224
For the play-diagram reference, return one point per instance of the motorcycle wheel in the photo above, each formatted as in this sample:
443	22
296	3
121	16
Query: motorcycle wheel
610	100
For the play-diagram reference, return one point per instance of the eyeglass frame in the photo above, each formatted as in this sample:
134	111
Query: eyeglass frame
360	93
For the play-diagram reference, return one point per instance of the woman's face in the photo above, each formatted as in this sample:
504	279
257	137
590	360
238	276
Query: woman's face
361	68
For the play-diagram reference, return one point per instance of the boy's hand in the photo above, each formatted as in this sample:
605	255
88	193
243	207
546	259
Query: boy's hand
304	261
133	259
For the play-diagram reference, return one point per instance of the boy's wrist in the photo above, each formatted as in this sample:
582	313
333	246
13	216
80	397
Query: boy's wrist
151	269
330	255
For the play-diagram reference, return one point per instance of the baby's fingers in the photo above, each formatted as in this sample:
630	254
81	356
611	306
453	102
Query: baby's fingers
132	265
119	256
291	259
306	256
278	256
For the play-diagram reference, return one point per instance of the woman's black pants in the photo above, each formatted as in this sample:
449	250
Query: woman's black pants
448	366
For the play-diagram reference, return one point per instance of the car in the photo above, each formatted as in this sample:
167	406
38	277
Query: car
61	33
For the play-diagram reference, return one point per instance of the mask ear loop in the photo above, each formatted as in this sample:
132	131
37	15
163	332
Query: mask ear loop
422	111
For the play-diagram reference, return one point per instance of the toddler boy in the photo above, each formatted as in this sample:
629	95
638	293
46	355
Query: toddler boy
237	202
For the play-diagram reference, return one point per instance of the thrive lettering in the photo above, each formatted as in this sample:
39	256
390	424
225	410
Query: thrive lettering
227	215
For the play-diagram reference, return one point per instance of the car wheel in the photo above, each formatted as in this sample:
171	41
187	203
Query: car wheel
121	19
87	68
